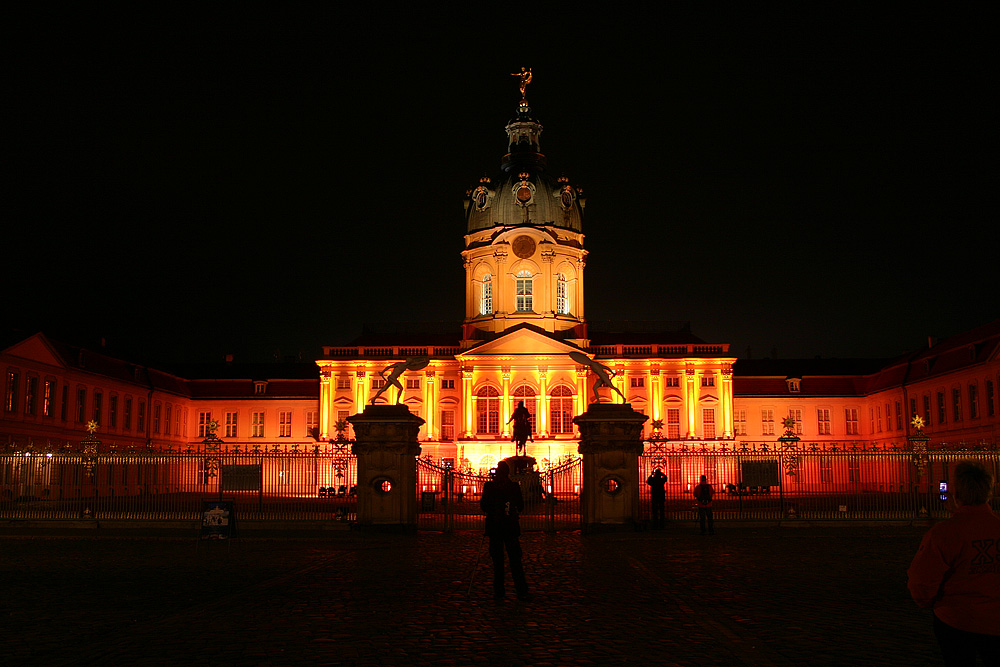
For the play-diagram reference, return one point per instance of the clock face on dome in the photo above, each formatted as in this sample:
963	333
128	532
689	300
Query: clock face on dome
523	195
523	246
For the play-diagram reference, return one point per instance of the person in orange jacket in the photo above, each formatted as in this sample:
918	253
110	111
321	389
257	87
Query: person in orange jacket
956	572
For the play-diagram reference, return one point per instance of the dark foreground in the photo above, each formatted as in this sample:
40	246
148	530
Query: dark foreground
747	596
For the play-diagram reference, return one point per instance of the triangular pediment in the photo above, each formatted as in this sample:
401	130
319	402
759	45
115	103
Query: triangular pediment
36	348
520	342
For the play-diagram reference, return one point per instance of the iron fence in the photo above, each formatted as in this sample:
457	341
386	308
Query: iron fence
448	499
263	485
761	481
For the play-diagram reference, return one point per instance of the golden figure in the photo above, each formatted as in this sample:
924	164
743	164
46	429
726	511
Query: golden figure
525	75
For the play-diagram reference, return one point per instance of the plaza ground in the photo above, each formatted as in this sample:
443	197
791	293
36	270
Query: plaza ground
764	595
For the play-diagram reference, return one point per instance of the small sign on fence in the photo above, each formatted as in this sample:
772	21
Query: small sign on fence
218	520
240	477
760	473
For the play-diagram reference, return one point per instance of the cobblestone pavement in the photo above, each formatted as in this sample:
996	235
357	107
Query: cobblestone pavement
747	596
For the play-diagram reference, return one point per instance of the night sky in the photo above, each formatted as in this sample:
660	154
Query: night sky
800	182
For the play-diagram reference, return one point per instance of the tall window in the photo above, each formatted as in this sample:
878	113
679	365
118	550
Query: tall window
81	405
823	420
851	417
312	423
257	424
127	414
231	428
927	409
285	424
673	423
30	395
940	407
899	416
10	403
562	304
796	414
973	401
168	413
561	410
113	411
956	404
527	394
708	423
523	290
203	419
488	410
48	398
767	421
486	296
740	421
64	406
447	424
990	409
140	419
156	418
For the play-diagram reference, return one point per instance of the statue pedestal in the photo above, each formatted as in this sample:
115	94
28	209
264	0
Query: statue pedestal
387	449
610	442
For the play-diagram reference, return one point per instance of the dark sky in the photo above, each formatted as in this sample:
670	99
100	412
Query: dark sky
805	181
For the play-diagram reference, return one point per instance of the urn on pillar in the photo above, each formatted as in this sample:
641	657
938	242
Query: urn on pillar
610	442
387	449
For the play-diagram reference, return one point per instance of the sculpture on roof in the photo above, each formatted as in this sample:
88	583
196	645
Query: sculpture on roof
397	369
525	75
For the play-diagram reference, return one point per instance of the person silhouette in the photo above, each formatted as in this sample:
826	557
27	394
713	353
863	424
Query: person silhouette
502	503
703	495
657	496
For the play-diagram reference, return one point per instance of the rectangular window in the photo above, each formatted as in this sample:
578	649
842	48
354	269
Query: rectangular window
973	401
127	414
899	416
637	382
166	421
98	405
312	424
342	416
707	380
140	418
378	383
878	417
913	408
343	382
708	423
523	290
486	300
81	405
285	424
927	409
823	421
10	403
796	415
940	407
562	306
177	422
413	383
447	384
672	381
30	395
673	423
767	421
64	407
740	421
257	424
113	411
48	398
156	417
447	424
851	419
231	430
203	419
990	409
956	404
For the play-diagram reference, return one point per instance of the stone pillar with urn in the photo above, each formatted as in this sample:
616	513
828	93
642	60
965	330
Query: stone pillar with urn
610	442
387	449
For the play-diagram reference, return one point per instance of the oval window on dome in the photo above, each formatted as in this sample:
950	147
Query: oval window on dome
523	194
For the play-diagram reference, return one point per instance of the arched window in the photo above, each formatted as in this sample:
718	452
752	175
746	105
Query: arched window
562	304
523	285
486	297
488	410
561	410
527	394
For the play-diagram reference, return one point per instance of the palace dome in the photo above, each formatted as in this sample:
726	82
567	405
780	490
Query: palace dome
524	193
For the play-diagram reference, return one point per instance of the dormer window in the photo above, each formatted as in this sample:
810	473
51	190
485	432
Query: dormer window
260	386
486	297
794	384
562	304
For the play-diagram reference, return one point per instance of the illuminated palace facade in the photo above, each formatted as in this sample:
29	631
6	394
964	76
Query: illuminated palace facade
525	264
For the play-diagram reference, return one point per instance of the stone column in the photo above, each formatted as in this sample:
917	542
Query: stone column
610	442
387	449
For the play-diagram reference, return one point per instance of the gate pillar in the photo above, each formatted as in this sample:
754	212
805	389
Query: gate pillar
610	442
387	449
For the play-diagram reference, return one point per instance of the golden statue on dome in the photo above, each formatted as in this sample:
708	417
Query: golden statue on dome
525	75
